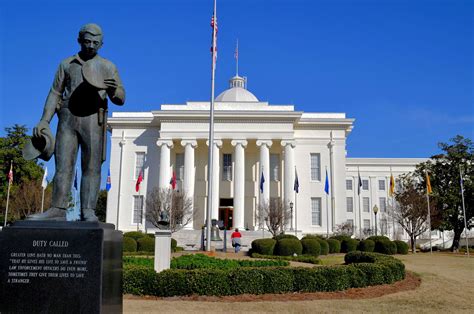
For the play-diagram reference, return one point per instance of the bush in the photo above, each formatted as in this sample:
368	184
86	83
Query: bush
201	261
349	245
299	258
311	247
324	246
340	238
385	247
174	244
285	236
146	244
402	247
362	269
129	245
366	246
263	246
378	238
288	246
134	235
334	246
138	261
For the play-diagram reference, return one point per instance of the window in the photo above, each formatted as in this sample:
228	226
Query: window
350	204
366	224
316	211
383	204
348	184
274	167
350	222
382	185
137	209
315	167
365	204
383	226
227	168
139	163
180	167
365	185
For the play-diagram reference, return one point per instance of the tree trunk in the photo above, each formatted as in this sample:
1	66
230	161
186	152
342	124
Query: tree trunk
413	245
457	237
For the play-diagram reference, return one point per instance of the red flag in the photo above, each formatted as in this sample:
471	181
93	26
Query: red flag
139	180
173	181
10	174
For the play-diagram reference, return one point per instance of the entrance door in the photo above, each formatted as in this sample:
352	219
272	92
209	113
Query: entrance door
226	215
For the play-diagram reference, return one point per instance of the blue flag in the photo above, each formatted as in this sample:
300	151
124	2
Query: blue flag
108	184
359	185
75	180
296	185
262	180
326	184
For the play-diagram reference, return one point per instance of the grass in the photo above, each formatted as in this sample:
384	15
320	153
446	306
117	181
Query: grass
327	260
447	287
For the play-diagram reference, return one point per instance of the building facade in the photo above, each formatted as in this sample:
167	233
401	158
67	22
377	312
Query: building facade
253	139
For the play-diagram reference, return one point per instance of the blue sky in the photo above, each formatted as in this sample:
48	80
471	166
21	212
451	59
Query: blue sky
403	69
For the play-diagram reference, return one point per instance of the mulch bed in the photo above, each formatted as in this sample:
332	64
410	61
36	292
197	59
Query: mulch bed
411	282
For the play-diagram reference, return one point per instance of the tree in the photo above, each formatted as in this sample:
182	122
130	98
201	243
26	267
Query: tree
168	209
444	171
275	214
345	228
101	208
27	199
411	211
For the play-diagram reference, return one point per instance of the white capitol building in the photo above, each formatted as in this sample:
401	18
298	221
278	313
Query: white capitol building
251	137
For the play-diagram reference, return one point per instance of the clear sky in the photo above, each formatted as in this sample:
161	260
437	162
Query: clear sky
403	69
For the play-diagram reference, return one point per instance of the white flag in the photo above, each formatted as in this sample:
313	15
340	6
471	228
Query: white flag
44	184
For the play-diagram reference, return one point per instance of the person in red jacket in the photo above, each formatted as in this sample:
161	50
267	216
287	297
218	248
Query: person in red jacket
235	237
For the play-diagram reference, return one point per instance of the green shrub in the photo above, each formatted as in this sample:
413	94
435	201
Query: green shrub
324	246
362	269
129	245
134	235
340	238
288	246
334	245
201	261
378	238
366	246
299	258
313	236
285	236
174	244
402	247
146	244
349	245
385	247
137	261
311	246
263	246
179	249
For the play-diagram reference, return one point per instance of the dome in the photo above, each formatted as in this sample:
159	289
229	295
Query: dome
237	92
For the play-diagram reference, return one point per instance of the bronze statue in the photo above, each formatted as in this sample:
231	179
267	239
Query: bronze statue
79	97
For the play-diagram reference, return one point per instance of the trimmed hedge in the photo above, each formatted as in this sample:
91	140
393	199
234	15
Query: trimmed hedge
366	246
402	247
378	238
299	258
363	269
174	244
349	245
263	246
288	246
197	261
285	236
311	247
134	235
340	238
385	247
324	246
129	245
334	246
146	244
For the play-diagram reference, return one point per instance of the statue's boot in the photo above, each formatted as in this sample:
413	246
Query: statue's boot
52	214
89	215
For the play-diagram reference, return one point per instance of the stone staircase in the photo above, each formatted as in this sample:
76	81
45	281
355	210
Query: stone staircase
190	240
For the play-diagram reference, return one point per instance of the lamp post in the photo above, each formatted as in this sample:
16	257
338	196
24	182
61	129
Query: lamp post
375	209
291	210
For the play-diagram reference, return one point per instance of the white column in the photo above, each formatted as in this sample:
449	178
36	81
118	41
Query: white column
331	182
265	168
288	186
239	183
189	173
165	176
216	178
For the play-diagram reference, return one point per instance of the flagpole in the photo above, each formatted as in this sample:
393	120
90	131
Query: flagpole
141	210
360	209
211	135
429	211
237	58
464	210
10	179
391	192
42	200
296	216
327	207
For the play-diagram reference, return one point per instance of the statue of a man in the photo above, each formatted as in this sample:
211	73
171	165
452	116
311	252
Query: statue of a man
79	97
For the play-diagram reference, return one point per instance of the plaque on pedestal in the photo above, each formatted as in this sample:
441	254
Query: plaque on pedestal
60	267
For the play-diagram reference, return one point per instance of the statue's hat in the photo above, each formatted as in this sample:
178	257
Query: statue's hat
95	71
40	147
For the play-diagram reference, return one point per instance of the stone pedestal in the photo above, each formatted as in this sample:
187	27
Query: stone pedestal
60	267
162	250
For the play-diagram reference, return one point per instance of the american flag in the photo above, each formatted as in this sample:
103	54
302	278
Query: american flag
10	174
214	26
